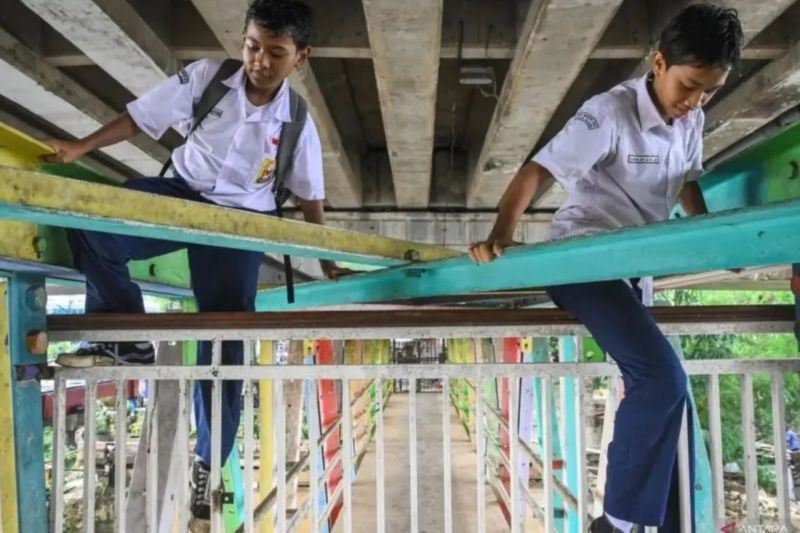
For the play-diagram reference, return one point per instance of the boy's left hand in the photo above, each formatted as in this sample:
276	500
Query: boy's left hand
332	271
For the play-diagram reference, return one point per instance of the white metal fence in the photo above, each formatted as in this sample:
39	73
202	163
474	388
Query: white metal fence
520	500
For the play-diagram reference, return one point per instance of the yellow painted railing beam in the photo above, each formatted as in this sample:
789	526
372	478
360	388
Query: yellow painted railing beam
8	472
55	201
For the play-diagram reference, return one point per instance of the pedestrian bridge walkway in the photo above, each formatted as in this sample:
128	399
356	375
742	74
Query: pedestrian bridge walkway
430	475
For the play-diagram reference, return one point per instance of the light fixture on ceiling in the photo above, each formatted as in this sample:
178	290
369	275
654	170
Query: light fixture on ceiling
476	75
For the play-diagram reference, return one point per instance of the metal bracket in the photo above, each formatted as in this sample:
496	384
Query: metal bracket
27	297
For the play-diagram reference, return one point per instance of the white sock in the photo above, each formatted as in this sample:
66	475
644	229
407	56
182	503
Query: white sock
622	525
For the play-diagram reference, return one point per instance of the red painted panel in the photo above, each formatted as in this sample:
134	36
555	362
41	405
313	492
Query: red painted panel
329	413
511	354
76	396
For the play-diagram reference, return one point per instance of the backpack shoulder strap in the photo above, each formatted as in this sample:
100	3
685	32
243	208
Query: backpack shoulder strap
210	97
290	135
213	92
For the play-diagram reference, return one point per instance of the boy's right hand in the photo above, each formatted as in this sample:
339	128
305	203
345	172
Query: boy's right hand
488	250
66	151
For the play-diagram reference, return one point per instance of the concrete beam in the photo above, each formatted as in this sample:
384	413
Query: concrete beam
405	38
747	277
342	179
452	230
32	83
765	95
113	35
755	52
756	16
448	51
549	56
342	176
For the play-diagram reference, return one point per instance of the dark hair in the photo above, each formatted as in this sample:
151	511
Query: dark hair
282	17
703	35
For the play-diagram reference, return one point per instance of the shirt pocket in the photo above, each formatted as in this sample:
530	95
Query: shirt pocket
264	165
641	172
247	162
679	170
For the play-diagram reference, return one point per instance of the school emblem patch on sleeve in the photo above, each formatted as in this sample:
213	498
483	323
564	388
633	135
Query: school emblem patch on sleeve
587	119
266	171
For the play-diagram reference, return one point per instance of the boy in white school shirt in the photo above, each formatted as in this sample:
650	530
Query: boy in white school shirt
229	159
624	160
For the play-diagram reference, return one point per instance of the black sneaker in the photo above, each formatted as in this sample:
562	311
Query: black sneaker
108	354
602	525
201	492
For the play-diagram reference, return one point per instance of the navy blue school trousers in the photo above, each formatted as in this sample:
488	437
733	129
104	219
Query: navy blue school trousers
642	475
223	279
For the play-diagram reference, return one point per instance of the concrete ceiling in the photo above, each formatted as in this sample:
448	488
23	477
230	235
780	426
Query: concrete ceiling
399	130
401	134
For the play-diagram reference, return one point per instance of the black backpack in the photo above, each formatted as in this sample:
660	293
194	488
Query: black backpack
290	134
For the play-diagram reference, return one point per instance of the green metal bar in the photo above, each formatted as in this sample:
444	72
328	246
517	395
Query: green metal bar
76	171
232	512
50	200
752	237
21	244
540	354
44	250
766	173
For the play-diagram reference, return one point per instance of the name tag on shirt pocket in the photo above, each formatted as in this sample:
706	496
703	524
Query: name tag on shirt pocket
643	159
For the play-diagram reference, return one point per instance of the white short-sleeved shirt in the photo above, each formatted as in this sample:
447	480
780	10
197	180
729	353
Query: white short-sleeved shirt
620	163
230	158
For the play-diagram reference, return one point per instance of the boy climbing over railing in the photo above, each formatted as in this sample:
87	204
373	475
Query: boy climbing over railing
624	159
249	144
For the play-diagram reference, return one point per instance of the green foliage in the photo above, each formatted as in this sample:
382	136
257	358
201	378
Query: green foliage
743	347
766	478
105	417
136	421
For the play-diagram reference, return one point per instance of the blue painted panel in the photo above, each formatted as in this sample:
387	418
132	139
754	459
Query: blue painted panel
571	474
29	445
27	314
